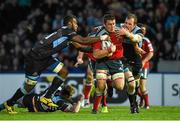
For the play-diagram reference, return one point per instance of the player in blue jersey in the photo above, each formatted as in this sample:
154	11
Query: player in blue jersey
62	98
133	40
40	58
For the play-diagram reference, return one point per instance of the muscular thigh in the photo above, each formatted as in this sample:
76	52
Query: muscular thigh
35	67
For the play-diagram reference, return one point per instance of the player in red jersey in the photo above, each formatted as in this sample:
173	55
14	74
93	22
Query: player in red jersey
108	61
90	77
148	48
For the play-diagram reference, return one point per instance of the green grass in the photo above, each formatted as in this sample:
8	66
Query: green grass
115	113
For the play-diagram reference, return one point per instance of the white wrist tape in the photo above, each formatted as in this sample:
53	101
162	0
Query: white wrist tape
134	37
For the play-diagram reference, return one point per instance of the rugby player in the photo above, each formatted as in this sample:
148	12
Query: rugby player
40	58
148	48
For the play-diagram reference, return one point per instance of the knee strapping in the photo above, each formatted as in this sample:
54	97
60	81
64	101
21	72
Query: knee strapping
28	85
58	67
130	79
117	75
101	75
131	86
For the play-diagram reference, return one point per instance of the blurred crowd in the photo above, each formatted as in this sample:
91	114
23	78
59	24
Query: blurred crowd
23	22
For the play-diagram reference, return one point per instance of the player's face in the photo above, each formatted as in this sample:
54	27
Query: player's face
74	24
143	30
110	25
129	24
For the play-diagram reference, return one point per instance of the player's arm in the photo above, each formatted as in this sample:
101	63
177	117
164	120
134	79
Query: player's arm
148	56
77	106
133	37
74	108
89	40
81	47
138	50
79	58
99	53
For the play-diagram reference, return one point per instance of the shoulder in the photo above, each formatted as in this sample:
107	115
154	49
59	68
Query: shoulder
137	30
67	31
146	40
99	30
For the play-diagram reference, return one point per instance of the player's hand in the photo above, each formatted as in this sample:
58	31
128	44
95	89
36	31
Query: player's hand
53	108
143	63
112	48
76	44
79	61
122	31
104	37
140	51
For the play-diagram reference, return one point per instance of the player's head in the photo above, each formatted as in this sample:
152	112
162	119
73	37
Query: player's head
71	22
109	22
130	21
67	91
143	28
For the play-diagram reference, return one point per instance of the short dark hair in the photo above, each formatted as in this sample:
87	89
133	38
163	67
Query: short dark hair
108	17
67	19
68	90
142	25
130	15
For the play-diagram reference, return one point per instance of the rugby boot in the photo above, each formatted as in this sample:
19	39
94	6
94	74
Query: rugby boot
104	109
94	111
134	108
9	109
48	102
146	107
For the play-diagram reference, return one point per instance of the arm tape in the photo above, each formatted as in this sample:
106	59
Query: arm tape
134	37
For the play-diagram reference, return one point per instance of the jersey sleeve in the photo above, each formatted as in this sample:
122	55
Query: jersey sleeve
97	45
70	33
150	47
139	32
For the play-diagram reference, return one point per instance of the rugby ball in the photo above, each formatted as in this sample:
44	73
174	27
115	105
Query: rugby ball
105	45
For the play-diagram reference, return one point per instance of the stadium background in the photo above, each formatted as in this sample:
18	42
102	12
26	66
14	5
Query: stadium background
23	22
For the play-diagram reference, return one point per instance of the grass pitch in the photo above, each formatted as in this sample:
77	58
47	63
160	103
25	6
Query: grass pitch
115	113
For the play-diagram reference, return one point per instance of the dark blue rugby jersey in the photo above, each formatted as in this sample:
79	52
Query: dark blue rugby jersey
129	51
54	42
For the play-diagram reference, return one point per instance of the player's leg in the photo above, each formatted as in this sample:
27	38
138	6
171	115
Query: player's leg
87	86
101	77
59	68
32	71
141	102
136	70
117	72
109	86
143	88
131	87
26	88
104	101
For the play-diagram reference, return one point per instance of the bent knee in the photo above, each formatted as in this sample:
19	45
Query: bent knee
63	73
